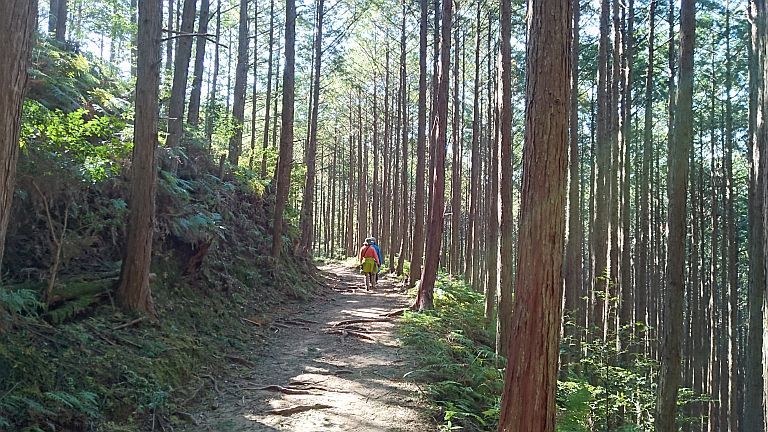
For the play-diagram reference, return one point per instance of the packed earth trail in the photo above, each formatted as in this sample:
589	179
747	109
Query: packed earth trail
331	364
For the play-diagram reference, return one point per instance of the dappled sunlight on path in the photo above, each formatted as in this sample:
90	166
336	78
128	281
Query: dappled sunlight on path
334	365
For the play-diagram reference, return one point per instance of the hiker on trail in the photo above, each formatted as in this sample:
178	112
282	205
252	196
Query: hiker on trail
370	264
375	245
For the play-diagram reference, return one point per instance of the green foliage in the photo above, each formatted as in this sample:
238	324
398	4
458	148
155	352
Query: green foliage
86	147
464	377
21	301
455	360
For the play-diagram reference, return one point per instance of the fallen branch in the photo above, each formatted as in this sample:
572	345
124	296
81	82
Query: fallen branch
361	320
130	323
395	313
298	321
357	334
284	390
297	409
251	322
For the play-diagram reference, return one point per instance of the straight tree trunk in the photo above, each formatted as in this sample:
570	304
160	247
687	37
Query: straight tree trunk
285	157
254	88
573	271
241	82
395	234
53	8
642	267
193	117
134	23
375	190
424	300
210	114
626	313
530	383
754	408
307	216
17	25
61	20
615	132
761	143
362	174
458	133
179	87
492	231
473	229
268	99
669	377
386	156
733	247
133	291
169	43
600	233
421	144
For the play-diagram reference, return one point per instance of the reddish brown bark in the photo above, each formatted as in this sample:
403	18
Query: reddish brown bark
193	116
285	158
180	74
669	377
241	81
421	138
528	401
17	25
439	130
574	306
307	214
134	292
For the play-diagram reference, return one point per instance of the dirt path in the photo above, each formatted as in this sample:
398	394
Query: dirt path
353	381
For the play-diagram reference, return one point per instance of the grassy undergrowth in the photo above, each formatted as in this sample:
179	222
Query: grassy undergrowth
462	377
455	358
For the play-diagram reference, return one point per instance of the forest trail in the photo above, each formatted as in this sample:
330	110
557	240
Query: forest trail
353	381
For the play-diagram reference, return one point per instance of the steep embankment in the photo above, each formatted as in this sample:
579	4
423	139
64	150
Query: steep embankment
69	358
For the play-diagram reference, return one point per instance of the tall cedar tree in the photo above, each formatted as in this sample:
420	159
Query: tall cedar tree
642	266
254	88
574	306
669	376
265	141
458	133
57	19
530	384
241	82
760	162
421	138
493	189
473	228
424	300
17	25
180	73
506	223
285	157
755	403
193	116
599	238
307	214
134	291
